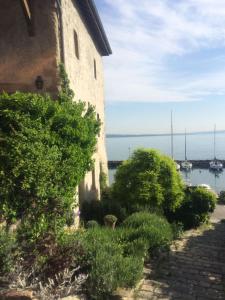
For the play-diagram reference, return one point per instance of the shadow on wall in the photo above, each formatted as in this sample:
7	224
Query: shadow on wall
86	193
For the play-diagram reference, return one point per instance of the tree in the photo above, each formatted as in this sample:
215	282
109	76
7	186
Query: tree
148	180
46	147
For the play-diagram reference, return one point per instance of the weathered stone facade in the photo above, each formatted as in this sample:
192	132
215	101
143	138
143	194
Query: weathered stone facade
35	36
24	57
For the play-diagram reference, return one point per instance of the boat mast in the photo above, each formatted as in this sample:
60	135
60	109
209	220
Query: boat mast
214	142
185	145
172	134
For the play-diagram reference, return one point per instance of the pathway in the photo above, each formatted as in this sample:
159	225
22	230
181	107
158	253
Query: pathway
195	268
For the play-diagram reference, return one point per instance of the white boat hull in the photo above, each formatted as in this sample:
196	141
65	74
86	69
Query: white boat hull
216	165
186	165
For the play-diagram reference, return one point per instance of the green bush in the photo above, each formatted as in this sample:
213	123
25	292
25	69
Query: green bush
136	247
178	229
148	181
7	251
196	208
45	151
103	179
110	219
221	198
151	228
108	266
92	224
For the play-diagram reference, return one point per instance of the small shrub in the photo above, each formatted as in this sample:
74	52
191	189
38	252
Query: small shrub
151	228
7	251
196	208
178	229
107	264
92	224
110	219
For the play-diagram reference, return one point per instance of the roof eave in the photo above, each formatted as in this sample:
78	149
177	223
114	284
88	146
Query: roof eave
97	30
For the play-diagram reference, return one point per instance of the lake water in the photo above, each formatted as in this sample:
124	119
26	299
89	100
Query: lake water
198	147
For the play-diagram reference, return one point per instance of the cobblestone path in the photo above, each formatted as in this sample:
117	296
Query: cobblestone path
194	270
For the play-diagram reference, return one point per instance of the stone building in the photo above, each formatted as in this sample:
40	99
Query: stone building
35	35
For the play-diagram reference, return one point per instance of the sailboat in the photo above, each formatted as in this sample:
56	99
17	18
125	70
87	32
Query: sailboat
215	165
177	165
186	165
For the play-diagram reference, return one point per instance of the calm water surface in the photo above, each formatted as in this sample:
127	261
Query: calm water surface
198	147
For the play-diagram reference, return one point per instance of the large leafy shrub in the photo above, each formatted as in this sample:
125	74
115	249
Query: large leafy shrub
148	180
154	230
46	148
196	208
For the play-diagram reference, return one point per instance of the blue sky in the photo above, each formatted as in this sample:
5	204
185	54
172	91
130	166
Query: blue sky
167	54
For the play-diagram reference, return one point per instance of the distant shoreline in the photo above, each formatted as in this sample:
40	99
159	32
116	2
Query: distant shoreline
202	164
160	134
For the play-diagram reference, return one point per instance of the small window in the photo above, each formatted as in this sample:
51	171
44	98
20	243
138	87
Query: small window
95	69
98	118
76	45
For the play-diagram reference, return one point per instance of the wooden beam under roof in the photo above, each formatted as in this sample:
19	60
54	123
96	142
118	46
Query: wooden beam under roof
28	15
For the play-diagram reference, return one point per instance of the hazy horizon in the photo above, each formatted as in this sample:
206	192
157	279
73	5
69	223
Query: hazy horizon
163	133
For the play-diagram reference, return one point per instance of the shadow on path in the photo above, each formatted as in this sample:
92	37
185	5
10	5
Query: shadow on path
195	268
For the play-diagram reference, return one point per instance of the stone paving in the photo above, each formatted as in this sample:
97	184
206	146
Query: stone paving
194	270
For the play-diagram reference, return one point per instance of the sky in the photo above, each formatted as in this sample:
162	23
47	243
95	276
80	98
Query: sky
167	54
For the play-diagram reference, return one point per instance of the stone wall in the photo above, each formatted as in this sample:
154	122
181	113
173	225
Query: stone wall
24	57
86	87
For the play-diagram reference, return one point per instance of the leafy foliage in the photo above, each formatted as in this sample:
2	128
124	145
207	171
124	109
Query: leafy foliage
46	148
92	224
7	251
102	180
154	230
221	199
195	210
149	181
108	265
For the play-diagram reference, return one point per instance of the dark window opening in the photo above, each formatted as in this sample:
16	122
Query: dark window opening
76	45
95	69
98	118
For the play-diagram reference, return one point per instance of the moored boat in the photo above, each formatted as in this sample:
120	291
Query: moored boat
186	165
177	165
215	165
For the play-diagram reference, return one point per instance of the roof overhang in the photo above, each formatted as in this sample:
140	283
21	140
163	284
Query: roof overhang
92	19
